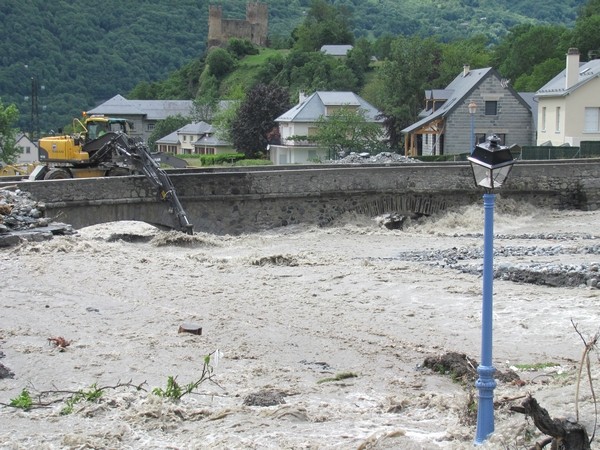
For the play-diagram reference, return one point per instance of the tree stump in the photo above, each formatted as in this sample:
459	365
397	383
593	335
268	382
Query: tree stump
566	435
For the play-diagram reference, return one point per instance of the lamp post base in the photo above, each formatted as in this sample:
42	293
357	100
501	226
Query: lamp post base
485	409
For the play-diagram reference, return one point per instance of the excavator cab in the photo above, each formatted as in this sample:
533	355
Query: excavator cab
98	126
95	130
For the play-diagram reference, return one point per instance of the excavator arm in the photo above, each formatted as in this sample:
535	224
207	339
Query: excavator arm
137	156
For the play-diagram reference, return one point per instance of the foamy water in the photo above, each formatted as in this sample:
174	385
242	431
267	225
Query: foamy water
287	308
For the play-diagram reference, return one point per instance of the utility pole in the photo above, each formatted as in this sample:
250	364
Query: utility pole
35	114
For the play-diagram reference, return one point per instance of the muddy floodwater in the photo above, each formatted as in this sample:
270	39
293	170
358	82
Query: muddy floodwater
317	336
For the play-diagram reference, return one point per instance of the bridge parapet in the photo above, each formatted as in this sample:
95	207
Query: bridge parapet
233	202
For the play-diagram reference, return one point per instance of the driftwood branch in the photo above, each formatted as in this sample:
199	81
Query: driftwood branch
585	358
565	435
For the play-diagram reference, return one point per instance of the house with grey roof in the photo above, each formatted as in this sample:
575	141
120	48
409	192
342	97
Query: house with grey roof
143	114
446	126
337	51
197	138
569	104
300	123
29	151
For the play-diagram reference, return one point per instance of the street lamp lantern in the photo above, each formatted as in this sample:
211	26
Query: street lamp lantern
472	107
491	164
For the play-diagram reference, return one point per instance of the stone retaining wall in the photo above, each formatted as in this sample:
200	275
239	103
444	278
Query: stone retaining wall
234	201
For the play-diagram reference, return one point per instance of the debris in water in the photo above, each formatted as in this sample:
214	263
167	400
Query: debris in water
190	328
59	342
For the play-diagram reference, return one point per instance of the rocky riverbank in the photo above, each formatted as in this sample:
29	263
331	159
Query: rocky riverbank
469	259
22	218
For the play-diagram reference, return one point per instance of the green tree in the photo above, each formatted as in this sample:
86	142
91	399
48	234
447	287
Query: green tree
402	79
241	47
204	108
144	91
541	74
455	55
359	59
255	119
9	115
585	36
525	47
314	71
207	99
324	24
223	121
165	127
591	8
348	130
220	62
272	71
225	116
342	79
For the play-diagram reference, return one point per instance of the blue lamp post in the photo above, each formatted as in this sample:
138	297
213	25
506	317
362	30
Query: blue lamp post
472	110
491	164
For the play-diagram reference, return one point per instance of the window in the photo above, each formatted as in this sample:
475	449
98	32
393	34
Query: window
205	150
491	108
592	120
150	127
544	118
558	119
184	138
27	150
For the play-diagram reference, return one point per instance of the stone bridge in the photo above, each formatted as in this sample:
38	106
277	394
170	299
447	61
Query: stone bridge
237	200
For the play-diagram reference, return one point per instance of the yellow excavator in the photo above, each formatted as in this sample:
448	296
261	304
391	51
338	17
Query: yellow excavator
101	147
91	151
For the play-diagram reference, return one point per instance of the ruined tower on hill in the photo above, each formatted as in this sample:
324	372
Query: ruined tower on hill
254	28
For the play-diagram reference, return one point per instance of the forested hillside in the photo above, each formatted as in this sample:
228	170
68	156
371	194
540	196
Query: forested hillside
85	52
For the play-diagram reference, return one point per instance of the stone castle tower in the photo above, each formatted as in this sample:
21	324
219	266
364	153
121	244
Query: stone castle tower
254	28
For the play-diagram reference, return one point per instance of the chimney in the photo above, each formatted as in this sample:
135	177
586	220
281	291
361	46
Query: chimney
466	69
301	96
572	71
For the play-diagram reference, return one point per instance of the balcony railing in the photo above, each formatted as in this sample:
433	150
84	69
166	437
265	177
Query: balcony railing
299	143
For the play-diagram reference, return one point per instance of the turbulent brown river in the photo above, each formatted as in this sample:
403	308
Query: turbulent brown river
316	336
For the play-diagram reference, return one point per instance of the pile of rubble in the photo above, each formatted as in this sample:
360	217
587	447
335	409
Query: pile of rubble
22	218
380	158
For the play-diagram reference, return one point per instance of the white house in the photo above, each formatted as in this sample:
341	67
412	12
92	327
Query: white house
195	138
569	104
302	120
29	151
